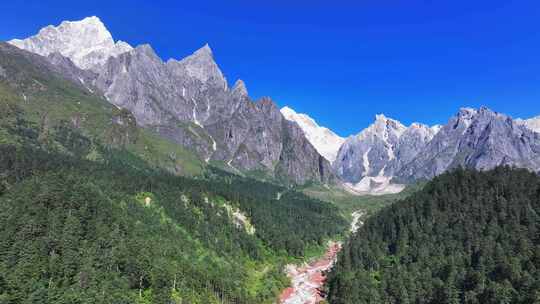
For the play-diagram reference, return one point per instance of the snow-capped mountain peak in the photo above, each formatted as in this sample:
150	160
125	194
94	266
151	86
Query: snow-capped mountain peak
87	42
326	142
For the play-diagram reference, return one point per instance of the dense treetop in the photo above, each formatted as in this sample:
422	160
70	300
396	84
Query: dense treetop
467	237
93	210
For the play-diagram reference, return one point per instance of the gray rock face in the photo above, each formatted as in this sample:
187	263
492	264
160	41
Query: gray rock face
532	123
370	152
187	101
251	137
367	162
69	70
479	139
199	66
54	63
299	160
323	139
410	143
140	82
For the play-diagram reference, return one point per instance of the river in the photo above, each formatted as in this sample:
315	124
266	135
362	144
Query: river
308	279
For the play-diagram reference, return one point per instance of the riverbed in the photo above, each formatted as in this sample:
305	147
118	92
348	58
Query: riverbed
308	279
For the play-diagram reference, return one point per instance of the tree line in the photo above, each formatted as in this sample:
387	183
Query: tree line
467	237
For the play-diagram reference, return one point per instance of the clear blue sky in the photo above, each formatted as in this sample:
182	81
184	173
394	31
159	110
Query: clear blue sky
339	61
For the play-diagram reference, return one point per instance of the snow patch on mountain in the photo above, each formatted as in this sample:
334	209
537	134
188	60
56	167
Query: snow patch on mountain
436	129
367	153
532	123
368	161
365	161
326	142
87	42
374	185
253	133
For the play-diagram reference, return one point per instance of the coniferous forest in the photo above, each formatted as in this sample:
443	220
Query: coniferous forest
94	209
467	237
76	231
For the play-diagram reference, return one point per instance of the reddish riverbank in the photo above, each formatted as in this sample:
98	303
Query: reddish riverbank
307	279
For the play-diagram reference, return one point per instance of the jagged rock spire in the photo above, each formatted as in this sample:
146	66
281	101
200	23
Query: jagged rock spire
200	65
240	88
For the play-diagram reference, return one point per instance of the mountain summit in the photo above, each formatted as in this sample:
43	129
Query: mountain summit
367	161
387	152
323	139
190	103
476	138
87	42
187	102
201	66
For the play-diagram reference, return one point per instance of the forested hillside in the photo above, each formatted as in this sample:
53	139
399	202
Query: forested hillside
93	208
467	237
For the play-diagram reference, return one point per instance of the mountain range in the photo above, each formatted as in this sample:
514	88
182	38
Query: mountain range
186	101
189	102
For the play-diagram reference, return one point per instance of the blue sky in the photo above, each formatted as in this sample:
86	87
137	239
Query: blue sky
341	62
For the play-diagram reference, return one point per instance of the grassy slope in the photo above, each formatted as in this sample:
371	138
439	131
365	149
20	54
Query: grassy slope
165	231
48	104
348	203
48	100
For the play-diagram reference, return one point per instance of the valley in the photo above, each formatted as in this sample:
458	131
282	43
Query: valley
127	178
308	278
126	215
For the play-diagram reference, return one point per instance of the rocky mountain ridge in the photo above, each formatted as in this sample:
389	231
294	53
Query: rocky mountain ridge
187	101
387	155
323	139
190	103
476	138
367	162
531	123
